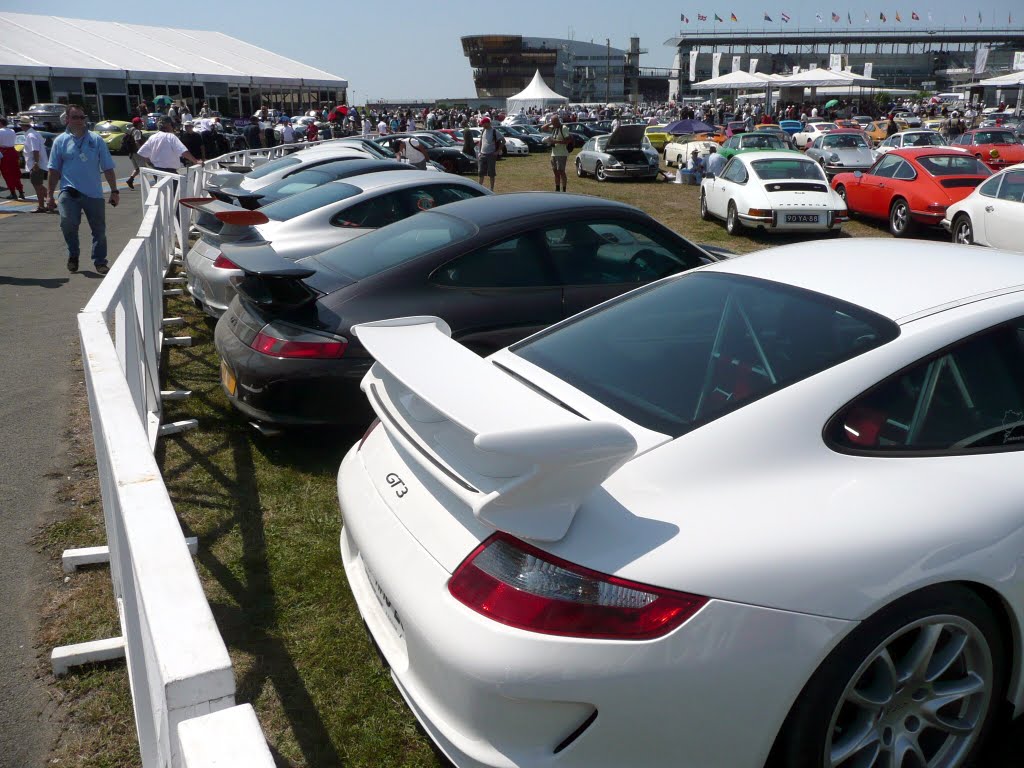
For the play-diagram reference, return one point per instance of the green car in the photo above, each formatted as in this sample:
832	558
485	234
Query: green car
113	133
755	140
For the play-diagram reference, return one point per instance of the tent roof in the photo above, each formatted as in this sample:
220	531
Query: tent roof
110	48
813	78
734	80
1009	79
538	91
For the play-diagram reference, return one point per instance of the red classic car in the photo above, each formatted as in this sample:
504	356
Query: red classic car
996	147
911	186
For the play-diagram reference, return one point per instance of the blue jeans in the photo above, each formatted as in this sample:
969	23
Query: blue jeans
71	209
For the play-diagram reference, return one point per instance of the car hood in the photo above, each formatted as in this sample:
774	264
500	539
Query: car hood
626	136
851	155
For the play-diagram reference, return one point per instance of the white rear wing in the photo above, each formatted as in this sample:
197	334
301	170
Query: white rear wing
520	461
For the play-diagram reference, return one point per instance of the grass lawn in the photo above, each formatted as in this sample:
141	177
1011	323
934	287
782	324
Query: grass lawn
266	514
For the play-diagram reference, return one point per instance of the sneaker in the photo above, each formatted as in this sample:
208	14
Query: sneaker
72	265
130	182
21	194
102	268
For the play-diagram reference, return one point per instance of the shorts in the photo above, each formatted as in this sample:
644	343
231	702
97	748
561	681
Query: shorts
487	165
37	176
558	163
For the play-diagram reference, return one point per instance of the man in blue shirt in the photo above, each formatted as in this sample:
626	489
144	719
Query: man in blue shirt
77	158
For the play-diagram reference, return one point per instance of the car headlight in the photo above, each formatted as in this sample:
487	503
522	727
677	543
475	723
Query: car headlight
615	163
833	158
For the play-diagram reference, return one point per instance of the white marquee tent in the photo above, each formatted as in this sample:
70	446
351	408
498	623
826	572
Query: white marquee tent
536	94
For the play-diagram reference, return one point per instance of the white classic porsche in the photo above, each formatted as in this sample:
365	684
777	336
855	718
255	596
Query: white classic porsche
763	513
993	214
773	190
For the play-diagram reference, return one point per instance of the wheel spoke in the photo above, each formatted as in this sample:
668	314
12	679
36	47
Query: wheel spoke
951	692
945	655
907	747
914	665
860	739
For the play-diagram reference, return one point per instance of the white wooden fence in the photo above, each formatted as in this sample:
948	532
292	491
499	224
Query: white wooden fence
182	682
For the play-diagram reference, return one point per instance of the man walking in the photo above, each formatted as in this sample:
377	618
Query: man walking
9	162
35	162
559	151
77	158
164	150
488	158
132	142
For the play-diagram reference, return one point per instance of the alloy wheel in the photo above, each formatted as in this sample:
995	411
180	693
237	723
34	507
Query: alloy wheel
579	168
705	214
919	699
963	231
732	220
599	172
899	218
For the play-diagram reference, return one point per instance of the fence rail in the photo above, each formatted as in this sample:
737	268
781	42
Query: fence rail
178	665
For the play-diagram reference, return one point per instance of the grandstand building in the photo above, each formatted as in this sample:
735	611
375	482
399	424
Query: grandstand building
912	58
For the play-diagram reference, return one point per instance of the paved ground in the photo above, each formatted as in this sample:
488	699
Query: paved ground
38	338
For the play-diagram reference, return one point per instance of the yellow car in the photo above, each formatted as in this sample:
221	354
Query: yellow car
657	136
113	133
878	130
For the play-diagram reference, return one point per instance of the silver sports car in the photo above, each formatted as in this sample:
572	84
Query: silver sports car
842	151
309	222
624	153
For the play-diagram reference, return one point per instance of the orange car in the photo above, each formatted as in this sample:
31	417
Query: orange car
878	130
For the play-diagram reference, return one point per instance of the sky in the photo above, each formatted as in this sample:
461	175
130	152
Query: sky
412	50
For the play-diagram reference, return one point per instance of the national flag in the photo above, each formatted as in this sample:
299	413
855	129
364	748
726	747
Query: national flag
701	17
898	16
732	17
767	17
849	18
785	17
686	20
818	16
881	17
914	16
979	17
835	17
718	18
867	19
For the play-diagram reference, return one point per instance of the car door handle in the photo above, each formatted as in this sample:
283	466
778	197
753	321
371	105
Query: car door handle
989	208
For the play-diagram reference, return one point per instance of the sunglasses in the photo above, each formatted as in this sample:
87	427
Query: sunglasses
76	117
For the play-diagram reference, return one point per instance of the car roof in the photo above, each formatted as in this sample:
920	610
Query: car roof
885	280
911	152
371	181
489	210
773	154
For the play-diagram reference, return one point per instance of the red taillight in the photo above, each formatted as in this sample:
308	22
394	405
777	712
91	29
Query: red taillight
223	262
242	218
282	340
516	584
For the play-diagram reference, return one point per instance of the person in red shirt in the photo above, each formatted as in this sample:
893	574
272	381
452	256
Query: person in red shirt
312	134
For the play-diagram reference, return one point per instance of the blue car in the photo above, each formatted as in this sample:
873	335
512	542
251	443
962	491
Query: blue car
791	126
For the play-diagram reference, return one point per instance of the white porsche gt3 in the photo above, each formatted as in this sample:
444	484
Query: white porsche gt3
765	512
773	190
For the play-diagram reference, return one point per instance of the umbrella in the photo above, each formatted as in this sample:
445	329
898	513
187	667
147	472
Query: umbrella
341	109
831	103
161	101
688	126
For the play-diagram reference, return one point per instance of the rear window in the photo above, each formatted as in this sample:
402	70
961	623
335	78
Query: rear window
272	167
784	168
310	200
395	244
953	165
686	351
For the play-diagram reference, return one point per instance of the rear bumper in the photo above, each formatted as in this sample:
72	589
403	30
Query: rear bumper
495	697
209	286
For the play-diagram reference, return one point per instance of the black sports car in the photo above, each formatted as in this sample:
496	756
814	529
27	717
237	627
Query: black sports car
496	269
452	159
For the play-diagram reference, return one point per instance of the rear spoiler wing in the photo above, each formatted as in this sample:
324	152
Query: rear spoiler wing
521	463
221	219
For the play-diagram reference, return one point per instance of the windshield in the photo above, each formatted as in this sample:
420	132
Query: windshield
683	352
953	165
994	137
395	244
107	127
844	141
823	127
310	200
787	168
761	141
923	140
272	167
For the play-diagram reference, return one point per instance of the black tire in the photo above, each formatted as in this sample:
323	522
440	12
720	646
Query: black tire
963	230
900	223
705	214
841	191
818	716
579	168
599	173
732	220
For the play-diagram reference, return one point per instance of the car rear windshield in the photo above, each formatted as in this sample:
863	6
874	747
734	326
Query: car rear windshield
273	166
786	168
395	244
953	165
106	127
844	141
310	200
929	139
685	351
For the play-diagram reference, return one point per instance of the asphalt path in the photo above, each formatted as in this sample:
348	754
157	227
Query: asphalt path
38	339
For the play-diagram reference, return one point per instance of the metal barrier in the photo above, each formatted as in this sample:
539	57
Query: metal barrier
178	665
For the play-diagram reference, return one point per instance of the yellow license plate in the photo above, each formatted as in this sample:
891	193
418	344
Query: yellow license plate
227	379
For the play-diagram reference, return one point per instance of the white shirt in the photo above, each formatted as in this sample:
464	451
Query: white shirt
34	143
186	116
413	152
163	150
382	128
6	137
288	133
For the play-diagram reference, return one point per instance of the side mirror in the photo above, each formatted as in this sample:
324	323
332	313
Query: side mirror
858	174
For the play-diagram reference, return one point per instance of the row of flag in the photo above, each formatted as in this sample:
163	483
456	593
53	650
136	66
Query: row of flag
836	18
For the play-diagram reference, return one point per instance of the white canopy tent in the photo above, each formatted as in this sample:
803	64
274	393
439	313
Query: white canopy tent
820	78
536	94
1009	80
734	81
